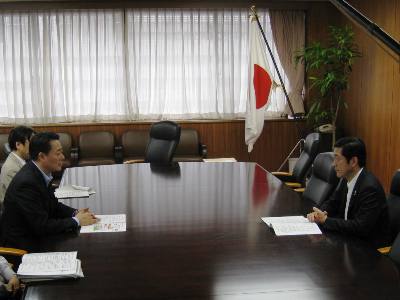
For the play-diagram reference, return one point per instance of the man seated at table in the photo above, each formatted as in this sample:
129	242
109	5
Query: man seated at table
18	140
358	205
31	210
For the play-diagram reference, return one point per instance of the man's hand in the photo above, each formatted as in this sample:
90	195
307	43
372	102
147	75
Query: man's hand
317	216
13	285
85	217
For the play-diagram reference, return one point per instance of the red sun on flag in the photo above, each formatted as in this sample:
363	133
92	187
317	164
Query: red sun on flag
262	85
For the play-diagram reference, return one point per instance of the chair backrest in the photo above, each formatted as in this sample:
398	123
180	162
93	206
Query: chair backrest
96	144
6	149
394	253
66	143
164	138
307	156
393	201
188	143
323	180
134	143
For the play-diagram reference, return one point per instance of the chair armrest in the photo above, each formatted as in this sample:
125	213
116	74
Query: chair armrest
281	174
284	176
203	150
118	154
293	184
134	161
384	250
299	190
12	251
74	156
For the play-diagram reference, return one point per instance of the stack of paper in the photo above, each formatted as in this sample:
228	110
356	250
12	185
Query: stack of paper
222	159
73	191
292	225
49	266
107	223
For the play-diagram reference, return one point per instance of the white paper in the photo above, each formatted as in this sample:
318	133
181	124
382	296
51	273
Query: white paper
48	263
296	228
73	191
107	223
292	225
224	159
289	219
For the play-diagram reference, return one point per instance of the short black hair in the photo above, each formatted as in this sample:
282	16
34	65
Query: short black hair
353	147
19	134
40	142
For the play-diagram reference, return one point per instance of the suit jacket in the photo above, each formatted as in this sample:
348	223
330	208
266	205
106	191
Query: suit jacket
31	211
367	215
10	167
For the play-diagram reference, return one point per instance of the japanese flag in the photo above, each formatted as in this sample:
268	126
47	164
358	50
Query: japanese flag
260	86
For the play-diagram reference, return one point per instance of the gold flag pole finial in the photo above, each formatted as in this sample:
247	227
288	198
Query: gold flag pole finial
253	12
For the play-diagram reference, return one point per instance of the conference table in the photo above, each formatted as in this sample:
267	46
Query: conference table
194	231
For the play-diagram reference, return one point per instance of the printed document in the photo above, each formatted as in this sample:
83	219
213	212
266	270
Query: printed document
292	225
107	223
73	191
49	266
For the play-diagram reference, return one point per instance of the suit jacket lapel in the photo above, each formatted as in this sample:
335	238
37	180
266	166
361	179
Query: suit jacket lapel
355	192
42	184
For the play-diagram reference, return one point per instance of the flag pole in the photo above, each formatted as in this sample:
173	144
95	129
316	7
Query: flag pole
253	10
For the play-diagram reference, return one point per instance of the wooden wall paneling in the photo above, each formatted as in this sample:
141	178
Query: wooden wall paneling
223	139
373	97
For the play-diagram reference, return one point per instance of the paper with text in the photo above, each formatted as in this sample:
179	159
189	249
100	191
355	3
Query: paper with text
73	191
288	219
56	264
107	223
292	225
296	228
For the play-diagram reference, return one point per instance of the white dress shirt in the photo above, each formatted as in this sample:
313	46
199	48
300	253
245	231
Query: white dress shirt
350	188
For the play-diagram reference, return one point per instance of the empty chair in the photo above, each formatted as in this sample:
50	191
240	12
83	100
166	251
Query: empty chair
323	180
70	153
303	164
164	138
189	147
134	143
96	148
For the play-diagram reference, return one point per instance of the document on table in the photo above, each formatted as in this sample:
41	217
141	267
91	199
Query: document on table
222	159
49	266
292	225
107	223
73	191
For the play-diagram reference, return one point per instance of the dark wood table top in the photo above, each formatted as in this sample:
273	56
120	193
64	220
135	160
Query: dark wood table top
194	232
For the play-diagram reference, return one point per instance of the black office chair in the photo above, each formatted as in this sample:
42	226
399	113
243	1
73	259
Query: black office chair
393	202
6	149
164	138
323	180
394	253
303	164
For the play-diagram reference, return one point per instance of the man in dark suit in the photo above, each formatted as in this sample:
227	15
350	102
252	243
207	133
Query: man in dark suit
358	205
31	211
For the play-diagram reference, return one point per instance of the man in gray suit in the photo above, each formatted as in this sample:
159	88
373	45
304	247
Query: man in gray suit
18	139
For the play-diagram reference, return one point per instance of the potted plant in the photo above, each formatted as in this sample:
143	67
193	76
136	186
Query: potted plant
329	69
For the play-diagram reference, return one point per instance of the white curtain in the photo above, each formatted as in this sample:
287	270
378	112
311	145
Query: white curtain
96	65
289	36
62	66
